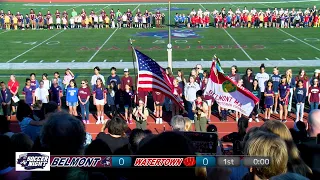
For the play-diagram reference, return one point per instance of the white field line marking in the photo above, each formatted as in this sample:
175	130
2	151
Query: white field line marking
57	61
233	5
185	59
299	40
4	32
25	61
267	59
317	58
189	3
105	60
299	58
35	46
73	60
283	59
121	60
234	59
41	61
105	42
232	38
201	59
238	45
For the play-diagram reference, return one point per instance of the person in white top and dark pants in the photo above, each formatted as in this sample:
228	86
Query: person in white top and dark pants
190	91
96	76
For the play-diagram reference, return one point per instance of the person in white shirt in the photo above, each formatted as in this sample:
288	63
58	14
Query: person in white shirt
96	20
215	12
42	94
275	11
245	11
58	22
124	19
307	11
100	21
253	11
268	11
96	76
190	91
46	82
193	12
72	22
281	11
144	21
262	77
206	13
238	11
230	12
199	13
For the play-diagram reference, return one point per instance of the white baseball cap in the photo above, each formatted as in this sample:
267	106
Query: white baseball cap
317	71
126	70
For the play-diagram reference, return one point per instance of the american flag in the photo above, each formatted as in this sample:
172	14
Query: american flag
152	77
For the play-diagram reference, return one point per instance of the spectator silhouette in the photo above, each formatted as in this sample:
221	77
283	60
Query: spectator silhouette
4	126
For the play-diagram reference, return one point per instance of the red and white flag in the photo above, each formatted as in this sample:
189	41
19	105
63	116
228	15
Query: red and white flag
228	94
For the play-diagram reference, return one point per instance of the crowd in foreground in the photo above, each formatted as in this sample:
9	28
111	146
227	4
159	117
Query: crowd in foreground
294	153
276	18
279	94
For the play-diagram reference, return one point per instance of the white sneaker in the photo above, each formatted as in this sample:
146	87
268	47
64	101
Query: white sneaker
237	119
257	120
296	120
301	120
250	119
98	122
160	120
102	122
157	120
271	112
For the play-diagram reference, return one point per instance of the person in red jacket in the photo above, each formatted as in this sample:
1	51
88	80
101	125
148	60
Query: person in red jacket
158	99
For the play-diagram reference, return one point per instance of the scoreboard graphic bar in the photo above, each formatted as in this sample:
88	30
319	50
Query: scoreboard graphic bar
156	161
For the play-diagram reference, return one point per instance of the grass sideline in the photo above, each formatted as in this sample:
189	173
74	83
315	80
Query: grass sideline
76	46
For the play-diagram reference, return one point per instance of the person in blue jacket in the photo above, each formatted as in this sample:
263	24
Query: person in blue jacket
72	97
5	99
300	97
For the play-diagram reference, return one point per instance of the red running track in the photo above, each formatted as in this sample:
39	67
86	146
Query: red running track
224	128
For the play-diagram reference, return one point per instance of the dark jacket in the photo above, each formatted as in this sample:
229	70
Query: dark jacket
7	98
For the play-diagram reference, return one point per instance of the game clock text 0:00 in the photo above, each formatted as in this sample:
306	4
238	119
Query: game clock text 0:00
256	161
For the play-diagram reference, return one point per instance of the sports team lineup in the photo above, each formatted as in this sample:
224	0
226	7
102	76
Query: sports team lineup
98	33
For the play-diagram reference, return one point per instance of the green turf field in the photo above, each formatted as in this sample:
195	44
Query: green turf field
85	48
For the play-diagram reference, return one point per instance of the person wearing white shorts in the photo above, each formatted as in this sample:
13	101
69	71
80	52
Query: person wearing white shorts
99	99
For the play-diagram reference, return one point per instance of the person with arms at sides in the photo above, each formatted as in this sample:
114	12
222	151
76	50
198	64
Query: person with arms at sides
33	82
302	76
72	97
127	102
269	94
46	82
316	75
112	109
248	79
314	95
68	76
300	97
167	101
284	92
190	91
56	92
200	110
96	76
126	80
234	75
5	100
158	99
255	91
178	92
42	94
114	77
292	84
239	114
99	99
262	77
56	75
13	85
182	80
27	123
276	79
84	97
141	114
28	93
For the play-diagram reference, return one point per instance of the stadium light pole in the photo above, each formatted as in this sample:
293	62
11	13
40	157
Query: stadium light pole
169	46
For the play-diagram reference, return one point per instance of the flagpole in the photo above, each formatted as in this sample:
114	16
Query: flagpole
169	46
134	64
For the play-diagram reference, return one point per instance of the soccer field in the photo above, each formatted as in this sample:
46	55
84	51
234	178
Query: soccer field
86	48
